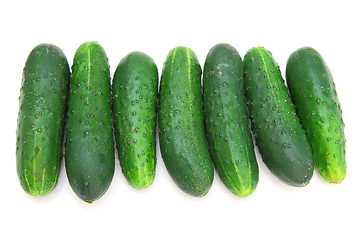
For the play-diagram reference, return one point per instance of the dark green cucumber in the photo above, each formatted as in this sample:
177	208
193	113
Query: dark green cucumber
313	92
227	122
41	119
279	135
89	145
135	87
181	127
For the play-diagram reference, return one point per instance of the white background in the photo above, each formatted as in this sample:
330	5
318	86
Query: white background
273	211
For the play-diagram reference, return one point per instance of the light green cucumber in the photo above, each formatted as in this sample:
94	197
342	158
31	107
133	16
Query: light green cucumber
135	89
313	91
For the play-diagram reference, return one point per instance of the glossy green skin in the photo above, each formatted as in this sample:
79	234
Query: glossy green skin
227	121
135	87
89	145
313	92
41	119
279	135
181	127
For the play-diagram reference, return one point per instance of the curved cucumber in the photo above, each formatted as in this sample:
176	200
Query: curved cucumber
89	145
227	121
41	119
313	91
135	87
279	135
181	127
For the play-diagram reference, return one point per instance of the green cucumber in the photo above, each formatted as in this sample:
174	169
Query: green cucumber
279	135
227	122
41	119
135	87
181	127
313	91
89	144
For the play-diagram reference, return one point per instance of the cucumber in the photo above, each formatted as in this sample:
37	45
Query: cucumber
41	119
181	123
313	92
135	89
89	144
227	121
279	135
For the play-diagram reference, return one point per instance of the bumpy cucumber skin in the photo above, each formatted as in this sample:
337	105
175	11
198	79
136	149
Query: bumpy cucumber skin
181	123
135	89
314	94
41	119
89	144
227	121
279	135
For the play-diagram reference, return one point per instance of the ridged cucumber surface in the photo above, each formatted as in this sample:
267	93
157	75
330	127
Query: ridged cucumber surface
227	121
181	123
89	145
279	135
135	90
41	119
313	92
